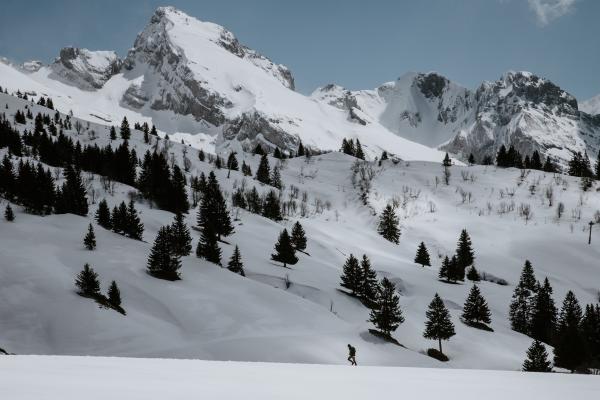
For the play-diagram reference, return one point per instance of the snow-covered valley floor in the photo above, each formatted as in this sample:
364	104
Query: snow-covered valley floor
95	378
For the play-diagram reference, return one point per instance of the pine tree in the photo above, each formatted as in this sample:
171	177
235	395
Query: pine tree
114	295
103	215
300	149
125	131
464	254
263	173
133	226
213	210
298	237
537	358
201	155
369	286
519	310
358	153
271	207
597	168
72	196
445	270
475	309
178	198
447	162
527	279
569	349
471	159
439	326
388	225
246	170
208	247
163	263
352	275
422	256
8	213
387	316
181	240
284	251
542	320
89	241
87	282
276	178
473	274
235	262
590	329
232	162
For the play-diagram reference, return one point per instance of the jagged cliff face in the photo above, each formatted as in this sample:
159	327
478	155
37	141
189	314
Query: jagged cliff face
520	109
530	113
83	68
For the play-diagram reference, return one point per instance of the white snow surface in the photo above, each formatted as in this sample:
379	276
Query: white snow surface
214	314
591	106
66	378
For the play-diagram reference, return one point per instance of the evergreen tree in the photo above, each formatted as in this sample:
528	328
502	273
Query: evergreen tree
358	153
125	131
235	262
114	295
213	210
422	256
8	213
464	254
388	225
471	159
502	157
369	286
476	309
207	247
284	251
113	133
263	173
549	165
89	241
519	310
445	270
527	279
254	201
438	326
387	316
163	262
258	150
590	329
536	161
352	275
271	207
537	358
473	274
298	237
246	170
103	215
276	178
201	155
178	198
133	226
300	149
277	153
181	240
87	282
72	196
447	162
569	349
542	319
232	162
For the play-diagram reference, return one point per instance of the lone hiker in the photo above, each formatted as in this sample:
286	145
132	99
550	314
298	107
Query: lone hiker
351	354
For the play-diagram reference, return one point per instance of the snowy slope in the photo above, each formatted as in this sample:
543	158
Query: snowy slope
214	314
65	378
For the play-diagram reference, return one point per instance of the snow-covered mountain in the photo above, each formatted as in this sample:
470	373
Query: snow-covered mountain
196	82
519	109
591	106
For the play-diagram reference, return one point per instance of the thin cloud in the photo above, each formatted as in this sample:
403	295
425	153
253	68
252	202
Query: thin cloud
547	11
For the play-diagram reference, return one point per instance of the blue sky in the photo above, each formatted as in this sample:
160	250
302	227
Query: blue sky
357	44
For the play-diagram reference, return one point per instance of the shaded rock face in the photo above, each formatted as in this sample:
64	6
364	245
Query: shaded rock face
86	69
529	113
174	86
255	128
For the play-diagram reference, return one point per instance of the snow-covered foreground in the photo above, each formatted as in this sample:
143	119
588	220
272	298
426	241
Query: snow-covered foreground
65	378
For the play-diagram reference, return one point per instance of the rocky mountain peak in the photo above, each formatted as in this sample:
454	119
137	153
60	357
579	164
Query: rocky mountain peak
84	68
